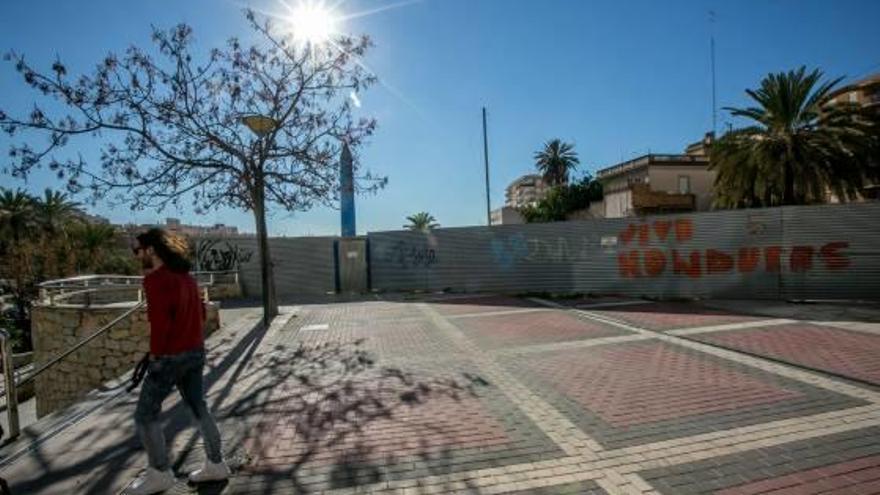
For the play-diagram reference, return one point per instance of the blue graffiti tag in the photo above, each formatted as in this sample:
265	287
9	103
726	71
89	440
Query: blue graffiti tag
508	251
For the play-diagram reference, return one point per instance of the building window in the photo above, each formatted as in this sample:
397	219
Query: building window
853	97
684	184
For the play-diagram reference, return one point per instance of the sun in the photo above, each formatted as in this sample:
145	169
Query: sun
312	22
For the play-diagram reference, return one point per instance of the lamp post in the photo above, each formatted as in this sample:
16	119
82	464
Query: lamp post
261	125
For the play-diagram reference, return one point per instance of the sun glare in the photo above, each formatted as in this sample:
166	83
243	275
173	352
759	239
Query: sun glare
312	22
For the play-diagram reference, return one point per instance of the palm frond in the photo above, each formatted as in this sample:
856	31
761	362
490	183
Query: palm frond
798	149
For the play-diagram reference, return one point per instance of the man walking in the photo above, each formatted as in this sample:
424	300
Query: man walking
177	358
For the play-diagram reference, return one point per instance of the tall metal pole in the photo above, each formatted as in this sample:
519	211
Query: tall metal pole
486	162
712	50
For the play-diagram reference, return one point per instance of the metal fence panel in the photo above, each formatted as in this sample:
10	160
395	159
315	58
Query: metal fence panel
823	252
760	253
248	265
834	252
303	265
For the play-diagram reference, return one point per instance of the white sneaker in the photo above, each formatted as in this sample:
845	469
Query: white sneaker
153	481
210	472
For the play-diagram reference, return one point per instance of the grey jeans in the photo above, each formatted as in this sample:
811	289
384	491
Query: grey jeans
164	373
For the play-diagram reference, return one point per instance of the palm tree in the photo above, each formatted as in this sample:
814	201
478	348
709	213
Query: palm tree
799	148
54	211
17	215
17	226
556	161
422	222
93	241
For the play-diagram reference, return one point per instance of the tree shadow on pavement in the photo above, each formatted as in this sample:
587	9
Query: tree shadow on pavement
333	400
328	416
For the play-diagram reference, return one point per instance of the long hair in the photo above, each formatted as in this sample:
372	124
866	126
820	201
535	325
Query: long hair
172	249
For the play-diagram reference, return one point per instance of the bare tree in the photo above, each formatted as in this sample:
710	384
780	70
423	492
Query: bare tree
171	128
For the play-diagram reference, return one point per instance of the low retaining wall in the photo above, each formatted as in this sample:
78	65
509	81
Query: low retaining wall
58	328
223	291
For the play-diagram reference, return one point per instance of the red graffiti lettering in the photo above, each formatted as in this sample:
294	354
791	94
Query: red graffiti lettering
644	234
627	235
655	262
772	259
691	268
684	230
748	259
801	259
628	264
832	259
661	229
718	261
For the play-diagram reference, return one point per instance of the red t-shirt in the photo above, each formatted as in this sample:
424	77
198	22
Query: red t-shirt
175	310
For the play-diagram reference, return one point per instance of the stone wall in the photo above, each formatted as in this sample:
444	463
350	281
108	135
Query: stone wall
222	291
57	328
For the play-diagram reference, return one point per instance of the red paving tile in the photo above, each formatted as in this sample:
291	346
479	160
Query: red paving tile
859	476
632	384
846	352
404	338
379	310
532	328
437	425
669	316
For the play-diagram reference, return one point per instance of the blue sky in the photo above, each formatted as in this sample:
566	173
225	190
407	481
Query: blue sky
617	78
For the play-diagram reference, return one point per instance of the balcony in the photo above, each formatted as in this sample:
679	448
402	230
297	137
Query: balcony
645	201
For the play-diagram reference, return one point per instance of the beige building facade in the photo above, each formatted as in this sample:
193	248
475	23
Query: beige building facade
176	226
864	92
526	190
506	215
659	183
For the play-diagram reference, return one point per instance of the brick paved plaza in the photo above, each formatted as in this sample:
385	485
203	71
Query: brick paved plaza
494	394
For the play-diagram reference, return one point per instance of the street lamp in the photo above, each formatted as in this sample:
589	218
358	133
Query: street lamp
261	126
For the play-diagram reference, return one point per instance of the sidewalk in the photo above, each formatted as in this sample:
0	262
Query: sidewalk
491	394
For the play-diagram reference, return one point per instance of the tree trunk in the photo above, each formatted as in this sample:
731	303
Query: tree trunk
788	192
267	280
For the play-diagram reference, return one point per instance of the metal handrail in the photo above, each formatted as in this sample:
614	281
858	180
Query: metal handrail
53	291
56	298
9	376
111	288
85	279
